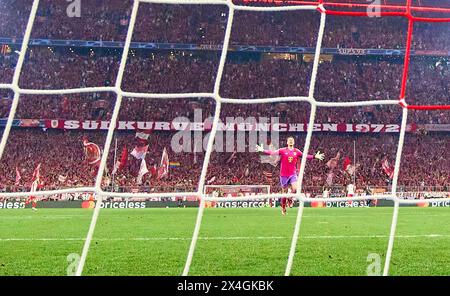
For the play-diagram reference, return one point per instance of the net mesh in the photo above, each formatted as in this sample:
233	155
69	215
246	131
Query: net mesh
324	9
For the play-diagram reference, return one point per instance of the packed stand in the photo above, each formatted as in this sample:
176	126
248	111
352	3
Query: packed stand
425	162
205	24
179	72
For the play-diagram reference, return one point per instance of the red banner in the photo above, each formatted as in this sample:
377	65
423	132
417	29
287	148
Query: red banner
261	127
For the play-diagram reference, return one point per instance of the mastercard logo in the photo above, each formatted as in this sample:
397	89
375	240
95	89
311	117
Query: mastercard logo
317	204
423	204
88	204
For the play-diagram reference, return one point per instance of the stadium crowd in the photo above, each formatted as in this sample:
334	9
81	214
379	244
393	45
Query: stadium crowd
339	80
425	161
205	24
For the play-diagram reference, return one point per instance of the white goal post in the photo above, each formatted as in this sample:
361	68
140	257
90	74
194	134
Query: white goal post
215	95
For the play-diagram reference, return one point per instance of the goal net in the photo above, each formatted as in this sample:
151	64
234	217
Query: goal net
238	193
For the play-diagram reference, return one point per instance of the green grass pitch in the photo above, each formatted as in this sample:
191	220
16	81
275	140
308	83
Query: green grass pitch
232	241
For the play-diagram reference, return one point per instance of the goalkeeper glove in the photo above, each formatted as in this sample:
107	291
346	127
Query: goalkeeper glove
259	148
319	156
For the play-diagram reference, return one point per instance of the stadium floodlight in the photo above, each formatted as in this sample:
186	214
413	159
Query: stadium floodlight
117	89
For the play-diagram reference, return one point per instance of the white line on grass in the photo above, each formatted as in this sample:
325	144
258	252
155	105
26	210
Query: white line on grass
365	216
229	238
40	217
35	216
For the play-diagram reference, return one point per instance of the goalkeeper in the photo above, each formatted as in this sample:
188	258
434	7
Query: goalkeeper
288	172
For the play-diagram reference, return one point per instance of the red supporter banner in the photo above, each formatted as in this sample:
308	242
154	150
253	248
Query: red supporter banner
179	126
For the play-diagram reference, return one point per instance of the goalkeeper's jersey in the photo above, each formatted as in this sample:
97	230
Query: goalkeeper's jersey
288	158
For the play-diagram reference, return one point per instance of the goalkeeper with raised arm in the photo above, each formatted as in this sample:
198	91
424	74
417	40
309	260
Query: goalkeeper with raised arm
288	169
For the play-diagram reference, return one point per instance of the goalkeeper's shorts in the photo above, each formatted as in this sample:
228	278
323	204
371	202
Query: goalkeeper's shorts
286	181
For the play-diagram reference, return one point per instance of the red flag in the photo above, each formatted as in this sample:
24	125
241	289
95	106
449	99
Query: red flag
120	164
142	137
139	152
164	165
349	167
143	134
92	152
36	179
143	170
18	177
347	163
36	173
154	171
123	158
387	168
